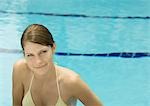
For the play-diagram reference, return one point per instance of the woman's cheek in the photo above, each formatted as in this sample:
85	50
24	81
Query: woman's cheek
30	64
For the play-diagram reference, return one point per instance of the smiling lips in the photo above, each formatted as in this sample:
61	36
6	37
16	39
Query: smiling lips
40	66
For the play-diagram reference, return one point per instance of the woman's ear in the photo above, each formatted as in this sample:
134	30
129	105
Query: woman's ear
53	48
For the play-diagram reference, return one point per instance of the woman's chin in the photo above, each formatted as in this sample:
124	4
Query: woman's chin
40	71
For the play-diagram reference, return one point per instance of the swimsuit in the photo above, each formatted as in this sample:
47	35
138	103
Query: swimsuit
28	101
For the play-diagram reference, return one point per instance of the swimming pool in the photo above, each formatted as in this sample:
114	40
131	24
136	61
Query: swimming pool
105	38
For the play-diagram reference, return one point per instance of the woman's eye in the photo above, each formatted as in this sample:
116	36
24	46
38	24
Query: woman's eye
44	51
29	55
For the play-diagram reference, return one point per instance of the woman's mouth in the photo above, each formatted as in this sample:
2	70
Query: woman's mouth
41	66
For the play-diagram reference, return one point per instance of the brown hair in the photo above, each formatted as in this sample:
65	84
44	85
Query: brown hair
37	33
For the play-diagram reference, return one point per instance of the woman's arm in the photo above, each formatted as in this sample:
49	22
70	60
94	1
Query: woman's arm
17	89
84	94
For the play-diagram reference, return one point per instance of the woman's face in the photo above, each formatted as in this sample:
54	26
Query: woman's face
38	57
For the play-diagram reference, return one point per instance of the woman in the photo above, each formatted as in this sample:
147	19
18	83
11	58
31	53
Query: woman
37	81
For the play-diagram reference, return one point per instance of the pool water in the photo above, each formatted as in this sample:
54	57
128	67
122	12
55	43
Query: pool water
85	27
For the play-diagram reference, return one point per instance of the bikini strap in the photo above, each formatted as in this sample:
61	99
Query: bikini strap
31	82
57	82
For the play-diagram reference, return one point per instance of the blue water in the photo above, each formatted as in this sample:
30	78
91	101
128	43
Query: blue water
116	81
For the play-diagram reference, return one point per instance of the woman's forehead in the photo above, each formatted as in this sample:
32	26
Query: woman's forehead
31	47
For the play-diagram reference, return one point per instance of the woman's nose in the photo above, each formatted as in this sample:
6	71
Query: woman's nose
38	60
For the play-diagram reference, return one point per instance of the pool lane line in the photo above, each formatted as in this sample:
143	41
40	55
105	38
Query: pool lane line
113	54
74	15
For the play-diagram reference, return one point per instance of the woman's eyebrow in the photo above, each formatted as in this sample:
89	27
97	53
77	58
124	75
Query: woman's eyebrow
28	53
43	49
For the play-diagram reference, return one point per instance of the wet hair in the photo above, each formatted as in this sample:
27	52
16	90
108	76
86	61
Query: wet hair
37	33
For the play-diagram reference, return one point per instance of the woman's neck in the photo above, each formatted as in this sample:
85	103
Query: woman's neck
49	75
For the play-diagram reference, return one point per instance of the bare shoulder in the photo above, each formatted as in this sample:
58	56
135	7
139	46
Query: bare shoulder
19	68
75	86
19	64
68	76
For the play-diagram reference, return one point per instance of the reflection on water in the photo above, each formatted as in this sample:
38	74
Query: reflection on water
117	81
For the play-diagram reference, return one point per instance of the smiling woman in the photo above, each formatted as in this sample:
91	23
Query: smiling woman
39	57
37	81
